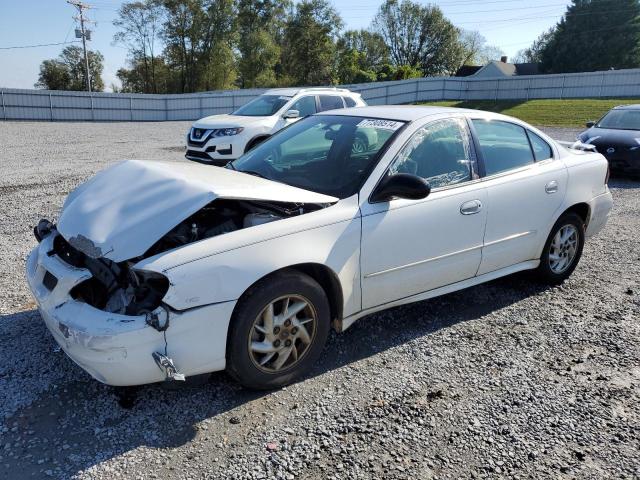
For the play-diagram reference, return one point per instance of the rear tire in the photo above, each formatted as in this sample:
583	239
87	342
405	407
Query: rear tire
562	250
278	330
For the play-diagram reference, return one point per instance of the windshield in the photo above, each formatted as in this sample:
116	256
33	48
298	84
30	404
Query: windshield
621	120
327	154
263	106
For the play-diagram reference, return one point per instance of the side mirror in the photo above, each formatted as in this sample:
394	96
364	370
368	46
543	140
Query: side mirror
291	114
590	124
401	185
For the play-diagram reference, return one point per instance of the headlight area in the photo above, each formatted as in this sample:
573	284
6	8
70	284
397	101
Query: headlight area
126	291
226	132
113	287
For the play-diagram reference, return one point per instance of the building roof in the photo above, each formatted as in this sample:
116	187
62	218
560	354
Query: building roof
467	70
527	68
498	68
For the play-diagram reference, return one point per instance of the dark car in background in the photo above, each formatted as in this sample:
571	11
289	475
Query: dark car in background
617	137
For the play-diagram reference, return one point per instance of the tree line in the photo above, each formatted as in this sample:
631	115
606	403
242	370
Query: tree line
180	46
593	35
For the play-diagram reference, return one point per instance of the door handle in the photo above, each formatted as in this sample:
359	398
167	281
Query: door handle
471	207
551	187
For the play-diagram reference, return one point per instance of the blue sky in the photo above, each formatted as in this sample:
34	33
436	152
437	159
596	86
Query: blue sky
508	24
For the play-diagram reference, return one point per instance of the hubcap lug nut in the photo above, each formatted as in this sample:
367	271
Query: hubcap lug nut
294	330
276	330
276	343
287	343
287	323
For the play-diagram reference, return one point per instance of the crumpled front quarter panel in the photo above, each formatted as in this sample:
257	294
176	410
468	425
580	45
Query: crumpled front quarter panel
222	268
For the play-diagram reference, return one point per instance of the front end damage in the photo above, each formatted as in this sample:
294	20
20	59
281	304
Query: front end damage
109	316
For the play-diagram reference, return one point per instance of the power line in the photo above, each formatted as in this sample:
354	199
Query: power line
39	45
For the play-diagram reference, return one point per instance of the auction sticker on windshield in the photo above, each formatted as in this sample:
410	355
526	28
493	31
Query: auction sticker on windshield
383	124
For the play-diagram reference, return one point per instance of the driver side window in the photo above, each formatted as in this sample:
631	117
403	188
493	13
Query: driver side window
439	152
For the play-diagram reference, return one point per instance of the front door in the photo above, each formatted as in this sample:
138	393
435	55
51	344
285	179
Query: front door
412	246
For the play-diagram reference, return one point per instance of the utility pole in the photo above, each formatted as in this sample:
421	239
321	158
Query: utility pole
84	34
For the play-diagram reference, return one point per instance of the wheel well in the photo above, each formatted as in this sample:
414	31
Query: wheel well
322	274
582	210
329	282
255	140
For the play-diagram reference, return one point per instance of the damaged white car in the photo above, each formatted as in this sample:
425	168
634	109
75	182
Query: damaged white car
157	271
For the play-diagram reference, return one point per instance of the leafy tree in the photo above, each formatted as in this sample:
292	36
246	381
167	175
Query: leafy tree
54	75
135	78
309	43
533	54
139	25
594	35
67	72
199	39
360	54
400	72
260	28
475	50
419	36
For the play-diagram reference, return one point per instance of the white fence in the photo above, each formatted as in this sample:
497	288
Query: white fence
52	105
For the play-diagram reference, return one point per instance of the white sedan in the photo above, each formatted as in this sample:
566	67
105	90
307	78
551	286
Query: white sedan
157	271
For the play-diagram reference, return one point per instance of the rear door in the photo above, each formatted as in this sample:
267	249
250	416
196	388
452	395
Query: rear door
329	102
525	186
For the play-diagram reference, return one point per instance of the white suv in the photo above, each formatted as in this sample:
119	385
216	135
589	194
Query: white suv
219	139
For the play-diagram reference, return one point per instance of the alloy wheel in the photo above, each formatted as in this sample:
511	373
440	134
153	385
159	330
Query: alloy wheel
282	333
563	248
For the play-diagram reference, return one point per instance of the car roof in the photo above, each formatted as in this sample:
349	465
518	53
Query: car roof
634	106
290	92
405	113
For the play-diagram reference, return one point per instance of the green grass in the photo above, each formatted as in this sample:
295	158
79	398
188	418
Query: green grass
552	113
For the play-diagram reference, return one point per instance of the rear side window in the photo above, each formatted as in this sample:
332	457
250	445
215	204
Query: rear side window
330	102
349	102
541	149
504	146
305	105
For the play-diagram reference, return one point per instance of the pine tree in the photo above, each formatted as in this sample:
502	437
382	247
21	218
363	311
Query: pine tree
595	35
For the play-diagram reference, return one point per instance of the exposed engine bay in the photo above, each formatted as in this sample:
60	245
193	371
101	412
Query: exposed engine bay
117	287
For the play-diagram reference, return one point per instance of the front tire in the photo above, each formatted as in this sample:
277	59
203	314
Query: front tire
278	330
563	250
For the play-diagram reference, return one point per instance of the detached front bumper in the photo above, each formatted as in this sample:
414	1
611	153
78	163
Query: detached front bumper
118	349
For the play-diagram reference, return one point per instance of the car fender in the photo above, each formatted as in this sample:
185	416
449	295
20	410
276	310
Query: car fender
221	269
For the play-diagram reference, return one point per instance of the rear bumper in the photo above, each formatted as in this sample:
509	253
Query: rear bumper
117	349
600	208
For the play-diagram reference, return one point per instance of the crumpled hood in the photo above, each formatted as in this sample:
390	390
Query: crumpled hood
123	210
226	121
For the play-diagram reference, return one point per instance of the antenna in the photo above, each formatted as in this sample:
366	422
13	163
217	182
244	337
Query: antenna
84	34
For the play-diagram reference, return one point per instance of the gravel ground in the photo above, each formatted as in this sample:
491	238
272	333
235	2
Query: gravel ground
508	379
